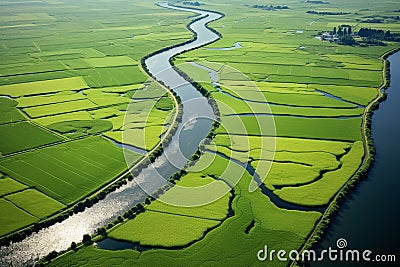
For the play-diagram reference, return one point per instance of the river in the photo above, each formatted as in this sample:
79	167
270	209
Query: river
370	218
196	123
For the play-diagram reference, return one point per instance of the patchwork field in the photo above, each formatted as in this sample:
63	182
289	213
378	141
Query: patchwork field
290	134
317	93
68	90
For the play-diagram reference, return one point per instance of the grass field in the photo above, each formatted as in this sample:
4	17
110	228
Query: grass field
16	218
321	191
67	172
24	135
287	126
147	230
42	87
63	78
35	203
9	185
9	112
75	72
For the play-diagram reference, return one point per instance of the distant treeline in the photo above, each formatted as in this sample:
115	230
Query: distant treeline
327	13
196	3
317	2
380	35
270	7
381	19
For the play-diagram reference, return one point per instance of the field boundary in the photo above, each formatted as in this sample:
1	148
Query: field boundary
362	171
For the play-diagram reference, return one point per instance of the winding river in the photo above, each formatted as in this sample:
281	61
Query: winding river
196	123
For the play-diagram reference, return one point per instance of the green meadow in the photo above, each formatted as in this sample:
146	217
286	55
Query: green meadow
70	81
67	87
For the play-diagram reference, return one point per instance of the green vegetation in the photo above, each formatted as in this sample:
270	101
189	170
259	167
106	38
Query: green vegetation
58	108
8	185
287	126
58	95
373	35
165	104
68	171
175	230
270	7
23	205
86	83
42	87
81	128
216	210
16	218
321	191
110	61
35	203
9	112
24	135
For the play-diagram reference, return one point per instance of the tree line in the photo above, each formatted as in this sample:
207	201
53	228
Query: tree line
379	35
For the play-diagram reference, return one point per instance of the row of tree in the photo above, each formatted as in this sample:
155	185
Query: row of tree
379	35
331	13
270	7
345	34
191	3
343	30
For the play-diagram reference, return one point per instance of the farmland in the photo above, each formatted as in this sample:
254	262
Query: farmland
292	111
65	90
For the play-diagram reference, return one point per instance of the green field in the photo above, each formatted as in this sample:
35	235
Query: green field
9	185
287	126
67	172
35	203
43	87
61	97
320	192
16	218
70	80
9	112
24	135
147	230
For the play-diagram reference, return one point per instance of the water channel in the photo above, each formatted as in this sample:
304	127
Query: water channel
197	113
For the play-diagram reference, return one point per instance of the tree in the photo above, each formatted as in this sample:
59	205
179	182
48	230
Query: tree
102	231
347	40
147	201
86	238
51	255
